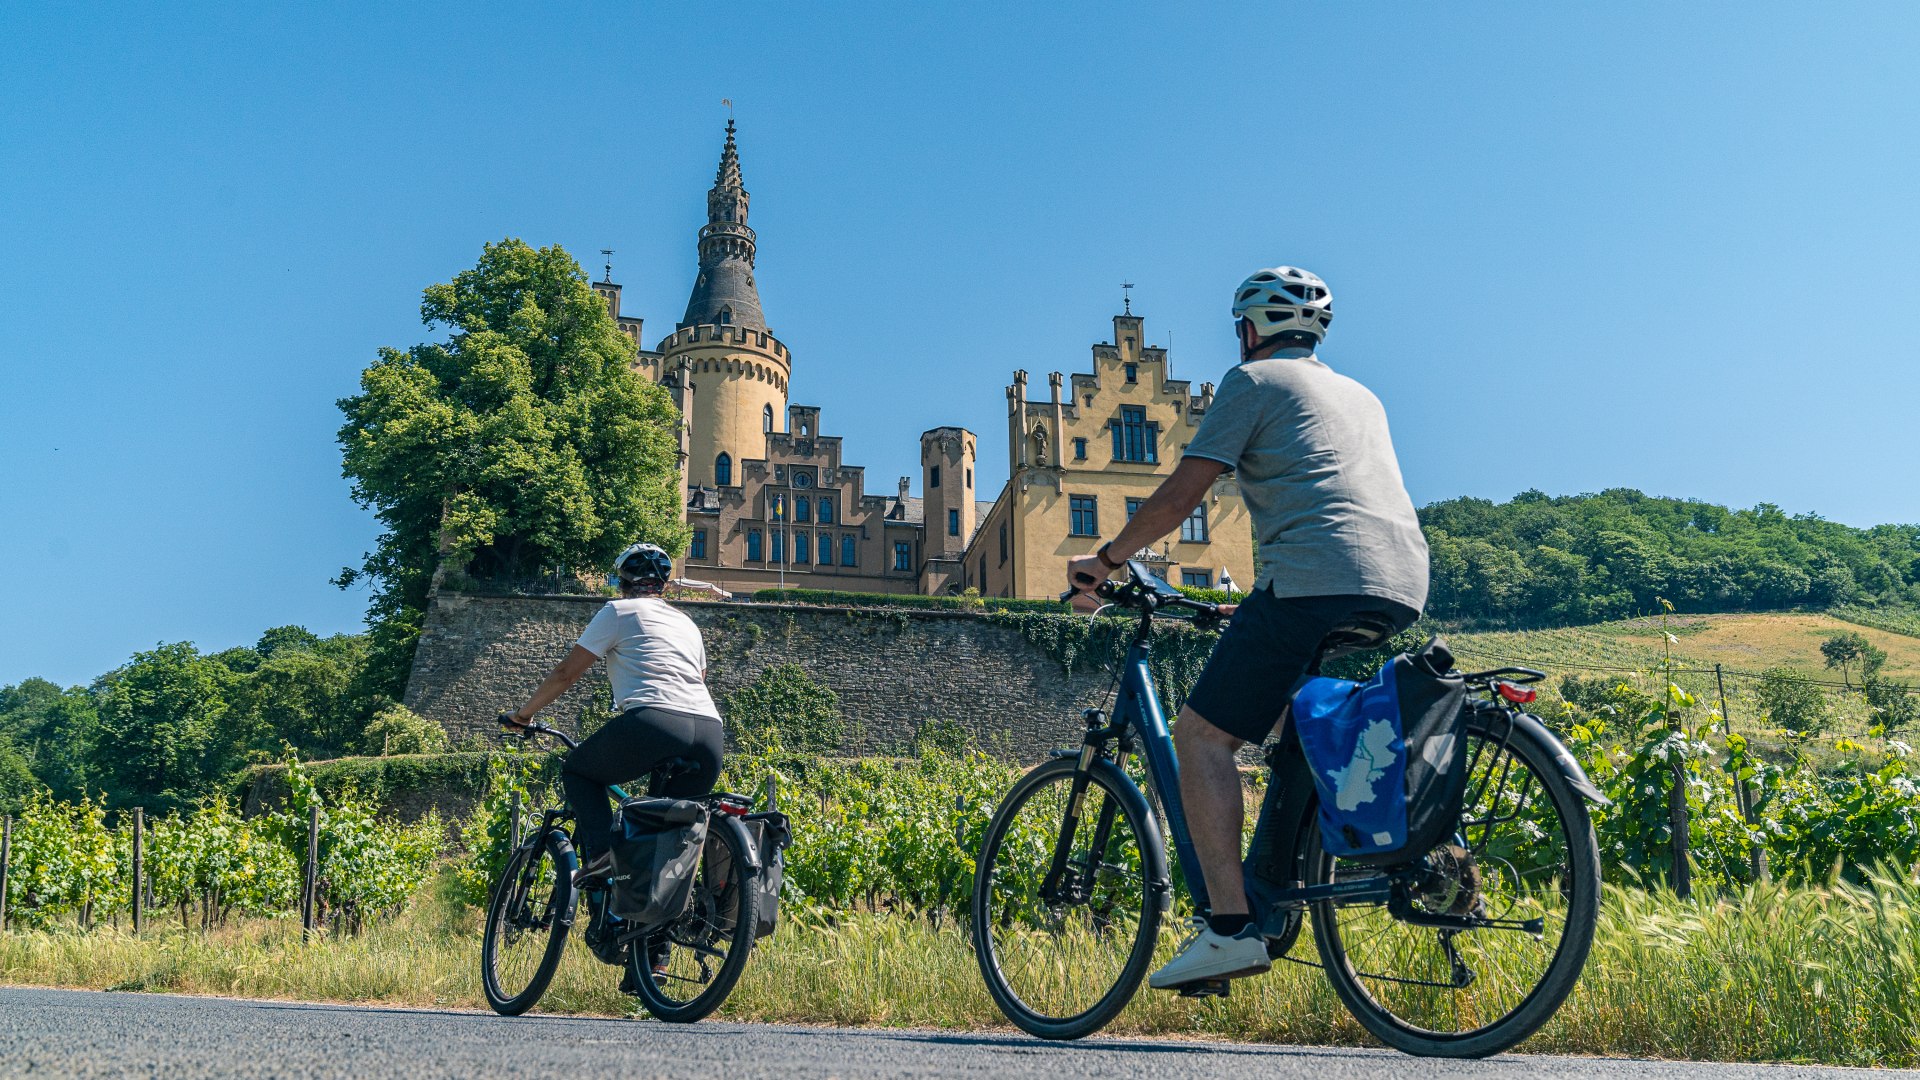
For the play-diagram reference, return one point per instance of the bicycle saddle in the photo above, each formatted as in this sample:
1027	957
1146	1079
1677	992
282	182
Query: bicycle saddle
1361	630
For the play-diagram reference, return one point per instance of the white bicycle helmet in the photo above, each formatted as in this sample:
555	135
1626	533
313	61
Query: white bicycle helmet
642	566
1284	299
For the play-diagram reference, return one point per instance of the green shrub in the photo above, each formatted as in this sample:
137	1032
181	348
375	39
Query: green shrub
784	707
397	729
1791	701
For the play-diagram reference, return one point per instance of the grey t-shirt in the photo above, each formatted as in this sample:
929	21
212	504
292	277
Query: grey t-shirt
655	657
1317	469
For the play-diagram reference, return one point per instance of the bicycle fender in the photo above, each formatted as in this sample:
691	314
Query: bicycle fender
732	824
1153	852
570	861
1569	768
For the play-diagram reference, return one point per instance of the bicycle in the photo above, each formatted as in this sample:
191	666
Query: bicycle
681	970
1462	952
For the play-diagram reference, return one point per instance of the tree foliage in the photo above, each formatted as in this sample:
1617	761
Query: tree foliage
1587	558
522	445
171	724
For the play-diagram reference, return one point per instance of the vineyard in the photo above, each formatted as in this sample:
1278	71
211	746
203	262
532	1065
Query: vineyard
882	834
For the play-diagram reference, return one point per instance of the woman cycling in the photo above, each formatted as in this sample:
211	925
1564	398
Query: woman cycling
657	664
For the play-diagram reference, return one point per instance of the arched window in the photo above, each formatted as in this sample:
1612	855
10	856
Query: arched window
753	545
802	510
726	316
766	418
723	471
826	511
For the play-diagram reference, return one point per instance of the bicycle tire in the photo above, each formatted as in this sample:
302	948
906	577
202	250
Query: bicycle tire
1130	806
508	901
1580	888
729	909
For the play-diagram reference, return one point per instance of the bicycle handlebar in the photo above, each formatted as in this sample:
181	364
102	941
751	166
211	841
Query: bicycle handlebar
1143	591
528	730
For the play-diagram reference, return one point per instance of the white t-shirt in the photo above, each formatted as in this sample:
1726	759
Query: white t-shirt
655	658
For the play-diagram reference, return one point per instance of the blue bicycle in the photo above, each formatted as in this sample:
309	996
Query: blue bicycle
1460	952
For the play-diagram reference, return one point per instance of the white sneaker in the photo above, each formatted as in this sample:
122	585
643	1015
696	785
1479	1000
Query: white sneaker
1208	955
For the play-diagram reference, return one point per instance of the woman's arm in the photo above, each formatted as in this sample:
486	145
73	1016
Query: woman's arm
565	674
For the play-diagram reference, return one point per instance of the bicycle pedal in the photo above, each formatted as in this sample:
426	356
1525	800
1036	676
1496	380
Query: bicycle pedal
1204	988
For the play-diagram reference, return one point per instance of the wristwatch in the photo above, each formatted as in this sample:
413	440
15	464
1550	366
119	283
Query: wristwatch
1101	554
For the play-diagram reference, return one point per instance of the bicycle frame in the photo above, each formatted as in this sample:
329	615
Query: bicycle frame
1139	711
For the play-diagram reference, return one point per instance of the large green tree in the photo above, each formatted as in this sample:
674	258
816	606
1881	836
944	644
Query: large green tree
522	445
52	732
161	738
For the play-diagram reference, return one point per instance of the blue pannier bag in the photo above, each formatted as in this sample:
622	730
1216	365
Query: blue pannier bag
1387	756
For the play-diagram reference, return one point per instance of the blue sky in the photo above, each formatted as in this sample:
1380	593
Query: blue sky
1661	246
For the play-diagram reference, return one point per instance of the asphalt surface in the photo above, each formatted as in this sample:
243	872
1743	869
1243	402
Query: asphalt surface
54	1033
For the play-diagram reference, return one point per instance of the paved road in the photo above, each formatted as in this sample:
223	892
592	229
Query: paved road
76	1033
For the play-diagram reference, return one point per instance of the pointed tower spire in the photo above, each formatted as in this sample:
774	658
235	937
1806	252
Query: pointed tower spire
724	293
729	175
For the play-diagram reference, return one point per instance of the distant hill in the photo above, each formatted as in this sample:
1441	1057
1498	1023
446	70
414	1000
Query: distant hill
1540	560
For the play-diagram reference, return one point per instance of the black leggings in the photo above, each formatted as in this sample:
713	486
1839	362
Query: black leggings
632	745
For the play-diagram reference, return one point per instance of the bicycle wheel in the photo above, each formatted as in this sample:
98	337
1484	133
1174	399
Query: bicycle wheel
1063	957
1525	851
527	920
684	970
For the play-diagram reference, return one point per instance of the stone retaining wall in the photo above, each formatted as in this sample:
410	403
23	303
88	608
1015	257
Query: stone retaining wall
894	669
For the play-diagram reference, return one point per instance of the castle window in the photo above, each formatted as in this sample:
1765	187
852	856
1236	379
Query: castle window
1079	449
953	523
969	477
849	551
1194	529
723	471
779	546
766	418
982	582
826	510
726	319
1003	543
802	510
1133	370
754	552
1133	507
902	555
1083	515
800	546
933	477
1133	438
1197	579
698	549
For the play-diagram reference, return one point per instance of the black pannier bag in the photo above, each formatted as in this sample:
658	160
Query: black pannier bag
656	848
770	833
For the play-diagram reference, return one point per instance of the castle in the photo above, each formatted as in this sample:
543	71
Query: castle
771	500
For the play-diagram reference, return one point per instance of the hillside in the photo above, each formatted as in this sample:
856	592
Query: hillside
1742	643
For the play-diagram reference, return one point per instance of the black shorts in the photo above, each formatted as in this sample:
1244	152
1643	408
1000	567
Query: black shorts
1270	644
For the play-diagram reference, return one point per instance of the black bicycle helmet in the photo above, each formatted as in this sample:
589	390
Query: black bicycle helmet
642	566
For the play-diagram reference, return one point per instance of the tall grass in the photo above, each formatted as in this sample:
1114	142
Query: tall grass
1771	973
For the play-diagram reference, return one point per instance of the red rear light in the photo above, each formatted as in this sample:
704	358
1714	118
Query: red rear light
1519	695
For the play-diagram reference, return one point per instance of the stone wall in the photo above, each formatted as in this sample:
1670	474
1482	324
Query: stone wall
894	669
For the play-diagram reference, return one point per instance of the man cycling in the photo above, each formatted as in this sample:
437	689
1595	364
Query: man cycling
657	664
1338	537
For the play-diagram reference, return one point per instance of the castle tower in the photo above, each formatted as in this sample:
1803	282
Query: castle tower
946	465
722	343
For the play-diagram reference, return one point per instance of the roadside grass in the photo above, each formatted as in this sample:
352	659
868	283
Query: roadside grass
1827	975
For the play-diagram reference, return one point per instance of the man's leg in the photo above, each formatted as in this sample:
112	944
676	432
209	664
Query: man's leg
1210	791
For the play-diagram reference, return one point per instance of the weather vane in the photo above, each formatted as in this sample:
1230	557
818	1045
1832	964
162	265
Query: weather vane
608	252
1126	296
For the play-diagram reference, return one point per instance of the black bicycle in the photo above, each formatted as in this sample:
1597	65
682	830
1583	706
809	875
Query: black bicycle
681	970
1460	952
